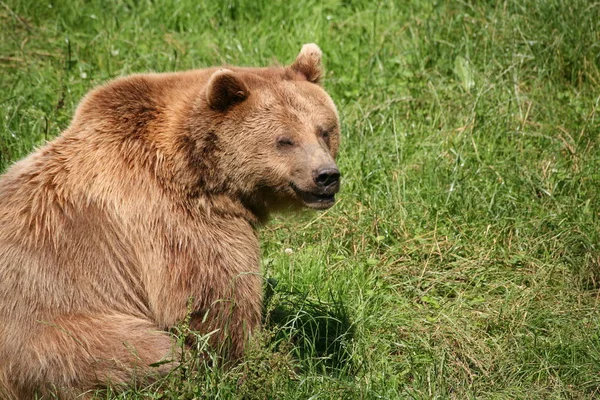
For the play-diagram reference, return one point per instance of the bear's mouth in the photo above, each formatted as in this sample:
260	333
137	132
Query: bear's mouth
318	199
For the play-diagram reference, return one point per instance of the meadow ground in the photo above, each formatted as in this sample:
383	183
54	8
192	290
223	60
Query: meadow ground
463	257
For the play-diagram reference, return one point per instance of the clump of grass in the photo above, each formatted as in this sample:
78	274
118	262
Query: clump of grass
301	336
320	332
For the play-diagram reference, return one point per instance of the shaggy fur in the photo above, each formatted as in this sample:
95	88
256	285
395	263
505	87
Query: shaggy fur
146	206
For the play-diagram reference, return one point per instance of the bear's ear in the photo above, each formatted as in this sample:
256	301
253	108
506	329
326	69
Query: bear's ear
225	89
308	63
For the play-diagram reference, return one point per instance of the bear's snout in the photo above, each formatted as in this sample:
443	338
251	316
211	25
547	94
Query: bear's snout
327	178
321	193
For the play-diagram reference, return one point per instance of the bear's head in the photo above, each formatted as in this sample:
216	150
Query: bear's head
274	134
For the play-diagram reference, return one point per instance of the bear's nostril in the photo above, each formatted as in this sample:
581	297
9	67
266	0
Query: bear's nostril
327	176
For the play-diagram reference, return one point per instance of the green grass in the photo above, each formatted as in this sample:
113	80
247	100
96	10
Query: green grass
463	257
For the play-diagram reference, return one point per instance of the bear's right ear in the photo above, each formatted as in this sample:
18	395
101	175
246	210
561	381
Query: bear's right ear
308	63
225	89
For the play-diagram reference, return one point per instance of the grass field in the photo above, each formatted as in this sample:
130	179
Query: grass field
463	257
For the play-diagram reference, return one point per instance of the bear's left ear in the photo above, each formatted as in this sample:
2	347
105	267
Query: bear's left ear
308	63
225	89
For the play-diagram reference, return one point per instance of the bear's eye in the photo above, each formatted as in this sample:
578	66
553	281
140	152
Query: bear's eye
285	142
324	135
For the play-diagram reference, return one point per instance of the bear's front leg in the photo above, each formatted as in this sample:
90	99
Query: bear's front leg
233	316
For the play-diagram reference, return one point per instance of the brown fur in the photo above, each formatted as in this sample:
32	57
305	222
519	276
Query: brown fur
148	204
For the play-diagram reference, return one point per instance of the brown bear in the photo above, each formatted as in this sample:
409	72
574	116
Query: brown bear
143	213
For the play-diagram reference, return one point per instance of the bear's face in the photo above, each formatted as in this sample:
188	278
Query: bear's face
307	143
281	133
300	139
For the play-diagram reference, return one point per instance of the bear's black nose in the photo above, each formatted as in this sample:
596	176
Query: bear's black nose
326	177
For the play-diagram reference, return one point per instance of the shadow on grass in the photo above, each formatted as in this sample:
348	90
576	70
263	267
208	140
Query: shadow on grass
320	331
